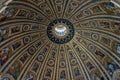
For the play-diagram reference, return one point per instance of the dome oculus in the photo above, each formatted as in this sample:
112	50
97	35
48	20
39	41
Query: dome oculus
60	31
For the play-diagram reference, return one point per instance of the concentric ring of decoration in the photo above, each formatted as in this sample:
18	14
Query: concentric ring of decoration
60	31
27	53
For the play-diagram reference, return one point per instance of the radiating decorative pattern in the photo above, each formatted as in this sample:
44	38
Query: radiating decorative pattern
30	49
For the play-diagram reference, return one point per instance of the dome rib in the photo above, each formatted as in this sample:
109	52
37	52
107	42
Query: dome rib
59	40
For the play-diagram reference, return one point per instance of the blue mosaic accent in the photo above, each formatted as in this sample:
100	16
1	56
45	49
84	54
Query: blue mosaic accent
118	48
57	40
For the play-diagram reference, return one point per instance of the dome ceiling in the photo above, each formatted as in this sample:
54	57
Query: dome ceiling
60	40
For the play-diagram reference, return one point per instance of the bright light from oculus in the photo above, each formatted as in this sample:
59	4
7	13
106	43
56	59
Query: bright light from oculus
60	30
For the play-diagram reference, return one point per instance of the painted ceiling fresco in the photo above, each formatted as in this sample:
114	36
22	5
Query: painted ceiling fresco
31	50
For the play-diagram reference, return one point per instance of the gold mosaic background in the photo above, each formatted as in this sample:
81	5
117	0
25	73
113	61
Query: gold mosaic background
26	53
